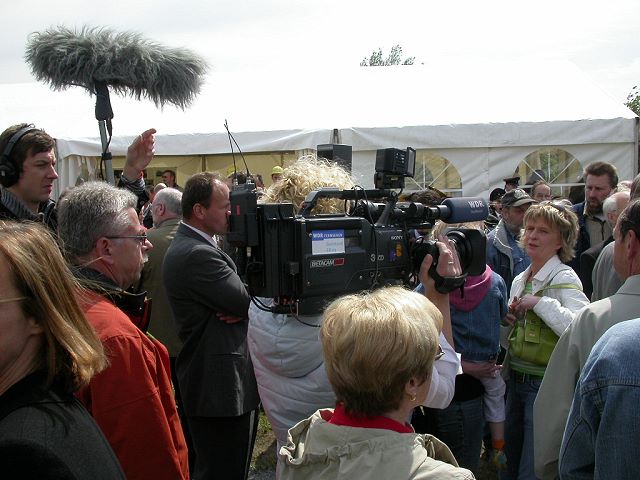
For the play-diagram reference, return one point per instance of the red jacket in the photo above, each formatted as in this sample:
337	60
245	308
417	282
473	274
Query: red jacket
132	400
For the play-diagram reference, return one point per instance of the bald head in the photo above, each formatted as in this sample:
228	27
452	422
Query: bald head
166	205
614	205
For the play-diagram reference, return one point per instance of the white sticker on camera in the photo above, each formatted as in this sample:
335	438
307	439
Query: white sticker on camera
327	241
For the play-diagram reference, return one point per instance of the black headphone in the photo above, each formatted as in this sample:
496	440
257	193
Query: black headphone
9	171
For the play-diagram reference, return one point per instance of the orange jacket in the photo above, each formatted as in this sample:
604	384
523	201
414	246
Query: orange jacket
132	400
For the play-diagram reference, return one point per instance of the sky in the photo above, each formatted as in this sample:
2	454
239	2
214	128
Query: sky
321	37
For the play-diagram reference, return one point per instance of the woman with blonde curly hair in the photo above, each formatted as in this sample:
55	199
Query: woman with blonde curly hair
47	351
286	352
544	300
285	349
307	174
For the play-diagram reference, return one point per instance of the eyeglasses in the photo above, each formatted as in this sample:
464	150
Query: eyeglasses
440	353
9	300
141	238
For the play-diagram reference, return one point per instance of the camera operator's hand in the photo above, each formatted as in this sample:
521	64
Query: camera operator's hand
448	263
448	266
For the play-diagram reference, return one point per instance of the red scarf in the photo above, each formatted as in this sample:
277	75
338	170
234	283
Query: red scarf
342	418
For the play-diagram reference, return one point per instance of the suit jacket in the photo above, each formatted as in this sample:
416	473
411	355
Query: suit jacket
46	433
214	368
162	325
587	262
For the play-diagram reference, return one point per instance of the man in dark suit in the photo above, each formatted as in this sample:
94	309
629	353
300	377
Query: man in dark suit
611	207
210	305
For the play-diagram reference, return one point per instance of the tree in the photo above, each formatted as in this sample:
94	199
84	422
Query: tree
394	58
633	100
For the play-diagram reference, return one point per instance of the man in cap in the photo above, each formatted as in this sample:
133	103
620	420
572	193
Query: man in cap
495	206
504	255
276	173
511	183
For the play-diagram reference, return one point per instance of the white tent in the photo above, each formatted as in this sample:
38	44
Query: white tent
483	117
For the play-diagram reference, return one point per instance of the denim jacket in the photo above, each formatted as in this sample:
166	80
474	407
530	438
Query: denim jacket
476	333
500	246
600	439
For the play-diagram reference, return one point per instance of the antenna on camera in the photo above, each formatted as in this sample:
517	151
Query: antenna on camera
231	138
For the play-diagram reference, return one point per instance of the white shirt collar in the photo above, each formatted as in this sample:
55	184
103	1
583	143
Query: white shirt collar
204	235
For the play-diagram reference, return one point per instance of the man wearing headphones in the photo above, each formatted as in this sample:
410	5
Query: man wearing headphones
27	172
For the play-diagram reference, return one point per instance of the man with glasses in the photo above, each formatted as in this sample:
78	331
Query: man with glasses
132	400
554	398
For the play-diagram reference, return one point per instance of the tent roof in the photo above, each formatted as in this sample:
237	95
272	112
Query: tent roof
444	104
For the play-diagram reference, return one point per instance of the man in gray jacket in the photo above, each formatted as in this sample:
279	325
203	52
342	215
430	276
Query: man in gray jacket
553	402
504	255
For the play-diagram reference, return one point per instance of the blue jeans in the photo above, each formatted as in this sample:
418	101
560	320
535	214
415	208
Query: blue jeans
518	429
461	426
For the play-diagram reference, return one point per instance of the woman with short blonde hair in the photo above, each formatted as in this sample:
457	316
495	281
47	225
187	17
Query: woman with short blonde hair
355	329
544	300
379	349
558	217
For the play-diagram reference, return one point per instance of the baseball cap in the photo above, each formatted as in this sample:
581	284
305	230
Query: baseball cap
496	194
276	170
515	198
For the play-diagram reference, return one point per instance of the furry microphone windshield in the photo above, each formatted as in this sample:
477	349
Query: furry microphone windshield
129	63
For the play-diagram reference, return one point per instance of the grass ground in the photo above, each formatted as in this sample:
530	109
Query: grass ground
264	451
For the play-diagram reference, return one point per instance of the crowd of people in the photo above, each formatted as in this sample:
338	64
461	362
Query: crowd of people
130	346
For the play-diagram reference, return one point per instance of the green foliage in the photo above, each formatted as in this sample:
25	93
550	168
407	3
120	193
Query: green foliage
394	58
633	100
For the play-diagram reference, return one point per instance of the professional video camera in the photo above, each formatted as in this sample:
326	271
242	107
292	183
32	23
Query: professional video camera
305	260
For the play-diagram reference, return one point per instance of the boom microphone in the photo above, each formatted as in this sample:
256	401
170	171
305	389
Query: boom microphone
127	62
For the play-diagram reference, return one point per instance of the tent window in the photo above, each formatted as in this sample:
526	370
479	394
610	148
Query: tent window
435	171
553	165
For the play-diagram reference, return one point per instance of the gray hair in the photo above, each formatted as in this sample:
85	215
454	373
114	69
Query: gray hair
609	205
171	198
612	203
158	187
89	212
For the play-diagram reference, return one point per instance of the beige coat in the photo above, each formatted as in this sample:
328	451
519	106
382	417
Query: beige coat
552	405
319	450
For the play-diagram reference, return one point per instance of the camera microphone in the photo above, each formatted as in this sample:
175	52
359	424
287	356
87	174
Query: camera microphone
127	62
463	210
